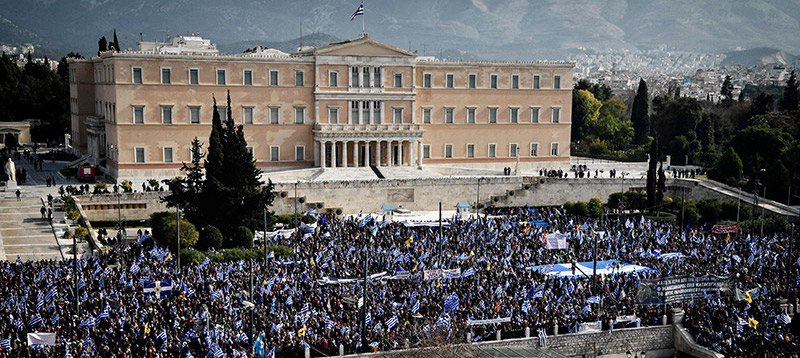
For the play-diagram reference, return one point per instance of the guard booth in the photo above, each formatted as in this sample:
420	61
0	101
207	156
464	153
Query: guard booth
462	210
388	212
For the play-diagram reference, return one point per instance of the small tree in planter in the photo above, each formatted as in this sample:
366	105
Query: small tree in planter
126	186
99	187
153	183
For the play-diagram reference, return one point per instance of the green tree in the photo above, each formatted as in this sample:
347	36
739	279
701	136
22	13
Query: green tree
610	127
727	87
187	192
791	98
210	238
233	190
729	168
243	237
759	146
102	45
116	42
777	182
661	184
763	103
640	113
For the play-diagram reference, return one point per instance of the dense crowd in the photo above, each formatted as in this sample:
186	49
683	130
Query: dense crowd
307	300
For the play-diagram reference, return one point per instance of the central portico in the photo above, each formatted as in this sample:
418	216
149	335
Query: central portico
370	120
356	145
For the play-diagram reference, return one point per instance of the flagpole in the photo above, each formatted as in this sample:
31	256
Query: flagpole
363	25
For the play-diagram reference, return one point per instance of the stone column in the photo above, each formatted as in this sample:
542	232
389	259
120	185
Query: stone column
419	154
316	152
400	153
390	153
333	154
356	151
411	159
368	152
377	153
344	154
323	145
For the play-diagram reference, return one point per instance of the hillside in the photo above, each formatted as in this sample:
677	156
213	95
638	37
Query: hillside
758	56
507	29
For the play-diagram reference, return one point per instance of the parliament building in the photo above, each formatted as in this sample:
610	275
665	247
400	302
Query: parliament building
347	104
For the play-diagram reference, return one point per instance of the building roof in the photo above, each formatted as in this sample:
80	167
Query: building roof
363	45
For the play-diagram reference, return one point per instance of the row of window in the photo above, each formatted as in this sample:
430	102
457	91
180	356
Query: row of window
359	77
472	81
513	115
248	114
491	151
361	112
168	153
221	76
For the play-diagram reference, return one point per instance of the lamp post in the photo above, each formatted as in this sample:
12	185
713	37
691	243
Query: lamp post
178	226
265	236
294	217
478	198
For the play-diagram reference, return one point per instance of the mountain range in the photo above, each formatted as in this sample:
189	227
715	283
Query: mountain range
480	29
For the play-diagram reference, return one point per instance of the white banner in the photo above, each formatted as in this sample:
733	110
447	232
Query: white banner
440	273
557	241
478	322
41	338
589	327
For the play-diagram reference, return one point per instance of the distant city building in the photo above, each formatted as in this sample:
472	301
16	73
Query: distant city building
348	104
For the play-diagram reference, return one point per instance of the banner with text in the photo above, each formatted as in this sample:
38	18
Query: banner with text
678	288
436	274
589	327
725	229
478	322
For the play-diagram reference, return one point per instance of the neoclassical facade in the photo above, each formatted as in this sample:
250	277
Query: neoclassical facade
348	104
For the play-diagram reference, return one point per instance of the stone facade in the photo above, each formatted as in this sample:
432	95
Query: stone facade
352	103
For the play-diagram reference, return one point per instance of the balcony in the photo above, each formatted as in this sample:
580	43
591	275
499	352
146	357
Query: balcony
402	131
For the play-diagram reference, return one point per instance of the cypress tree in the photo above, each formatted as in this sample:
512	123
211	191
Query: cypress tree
640	113
116	41
791	98
102	45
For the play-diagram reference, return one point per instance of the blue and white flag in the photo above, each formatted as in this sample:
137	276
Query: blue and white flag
368	318
469	272
5	344
162	335
391	322
443	321
103	314
158	288
593	300
359	11
587	309
415	307
329	323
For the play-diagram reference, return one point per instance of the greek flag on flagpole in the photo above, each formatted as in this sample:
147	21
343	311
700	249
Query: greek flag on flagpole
162	335
469	272
359	11
593	300
587	309
368	318
5	344
415	308
329	323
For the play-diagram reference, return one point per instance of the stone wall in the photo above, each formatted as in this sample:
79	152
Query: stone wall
426	193
657	341
634	339
133	206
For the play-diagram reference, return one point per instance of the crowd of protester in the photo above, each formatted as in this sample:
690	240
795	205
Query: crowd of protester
307	300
